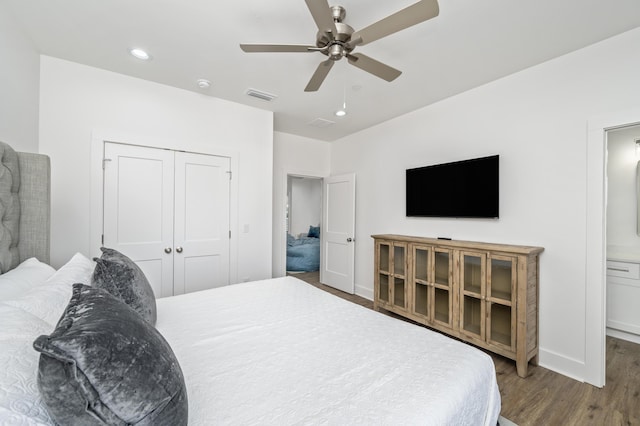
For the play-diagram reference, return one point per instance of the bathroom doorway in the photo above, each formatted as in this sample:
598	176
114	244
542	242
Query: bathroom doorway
622	234
596	242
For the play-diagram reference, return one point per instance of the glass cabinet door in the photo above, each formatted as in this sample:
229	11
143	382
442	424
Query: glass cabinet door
472	314
501	330
473	272
500	289
502	276
442	269
420	279
399	275
384	262
473	280
442	277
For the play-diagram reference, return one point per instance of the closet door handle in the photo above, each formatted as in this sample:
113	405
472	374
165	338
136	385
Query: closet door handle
179	249
167	250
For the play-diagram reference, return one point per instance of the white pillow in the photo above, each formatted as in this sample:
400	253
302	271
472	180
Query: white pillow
48	300
20	401
24	277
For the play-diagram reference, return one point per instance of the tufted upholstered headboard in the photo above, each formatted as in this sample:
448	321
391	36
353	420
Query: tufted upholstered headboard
25	190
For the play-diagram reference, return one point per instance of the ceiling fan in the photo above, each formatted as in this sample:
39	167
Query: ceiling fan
336	39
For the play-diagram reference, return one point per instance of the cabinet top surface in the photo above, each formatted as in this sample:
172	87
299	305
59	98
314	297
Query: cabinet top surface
460	244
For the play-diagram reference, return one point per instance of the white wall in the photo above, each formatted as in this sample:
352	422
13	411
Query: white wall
19	86
78	102
305	204
622	210
536	120
299	156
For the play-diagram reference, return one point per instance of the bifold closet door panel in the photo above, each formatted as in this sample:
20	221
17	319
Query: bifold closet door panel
138	209
201	232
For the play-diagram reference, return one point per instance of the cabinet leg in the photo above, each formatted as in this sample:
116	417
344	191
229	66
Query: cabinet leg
522	367
534	360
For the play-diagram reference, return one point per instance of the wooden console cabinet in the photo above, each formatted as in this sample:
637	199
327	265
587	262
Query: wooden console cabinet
483	293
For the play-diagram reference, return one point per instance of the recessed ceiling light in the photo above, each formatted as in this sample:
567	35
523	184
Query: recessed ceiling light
203	83
140	54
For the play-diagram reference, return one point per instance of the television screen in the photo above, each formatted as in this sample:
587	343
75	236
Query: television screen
467	188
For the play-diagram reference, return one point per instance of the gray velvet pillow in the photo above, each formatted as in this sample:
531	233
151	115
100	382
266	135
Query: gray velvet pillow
103	364
121	277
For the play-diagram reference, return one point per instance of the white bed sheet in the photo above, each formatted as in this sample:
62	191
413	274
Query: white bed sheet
284	352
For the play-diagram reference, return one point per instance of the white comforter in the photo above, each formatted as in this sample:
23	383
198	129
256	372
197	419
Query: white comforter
281	352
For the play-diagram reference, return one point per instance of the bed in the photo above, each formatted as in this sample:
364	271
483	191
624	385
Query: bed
277	351
303	253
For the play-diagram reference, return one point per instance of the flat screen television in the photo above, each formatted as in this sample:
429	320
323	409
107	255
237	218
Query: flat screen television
465	189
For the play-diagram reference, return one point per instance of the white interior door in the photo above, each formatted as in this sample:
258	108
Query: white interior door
338	232
202	189
138	209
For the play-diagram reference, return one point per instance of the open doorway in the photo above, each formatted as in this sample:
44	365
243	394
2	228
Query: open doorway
303	224
594	368
622	234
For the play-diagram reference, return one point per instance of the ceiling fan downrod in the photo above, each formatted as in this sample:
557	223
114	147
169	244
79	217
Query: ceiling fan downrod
338	13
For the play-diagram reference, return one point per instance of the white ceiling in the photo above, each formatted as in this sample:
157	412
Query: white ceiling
471	43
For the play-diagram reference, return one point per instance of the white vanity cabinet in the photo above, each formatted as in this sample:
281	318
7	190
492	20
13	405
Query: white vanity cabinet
623	299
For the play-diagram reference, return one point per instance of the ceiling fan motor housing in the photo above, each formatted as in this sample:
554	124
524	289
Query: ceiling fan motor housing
335	45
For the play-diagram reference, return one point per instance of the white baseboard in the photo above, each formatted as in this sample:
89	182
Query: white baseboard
562	364
630	337
365	292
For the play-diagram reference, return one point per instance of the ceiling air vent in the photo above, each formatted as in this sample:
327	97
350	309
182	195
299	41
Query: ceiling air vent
321	123
261	95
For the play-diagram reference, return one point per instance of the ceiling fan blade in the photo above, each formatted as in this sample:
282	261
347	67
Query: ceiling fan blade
405	18
374	67
253	48
319	76
321	13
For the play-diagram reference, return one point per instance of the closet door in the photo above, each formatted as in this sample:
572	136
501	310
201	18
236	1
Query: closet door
138	209
202	189
169	212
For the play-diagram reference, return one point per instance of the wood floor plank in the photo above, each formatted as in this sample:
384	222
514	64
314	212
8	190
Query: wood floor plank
549	398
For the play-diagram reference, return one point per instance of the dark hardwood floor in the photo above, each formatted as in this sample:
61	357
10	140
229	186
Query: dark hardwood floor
549	398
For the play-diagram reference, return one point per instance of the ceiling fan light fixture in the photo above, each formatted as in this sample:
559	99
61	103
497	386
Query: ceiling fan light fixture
140	54
336	52
343	111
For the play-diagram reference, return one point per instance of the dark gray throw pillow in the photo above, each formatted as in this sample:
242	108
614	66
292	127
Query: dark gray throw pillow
103	364
121	277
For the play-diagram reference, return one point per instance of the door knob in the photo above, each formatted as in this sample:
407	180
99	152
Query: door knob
179	249
167	250
349	239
